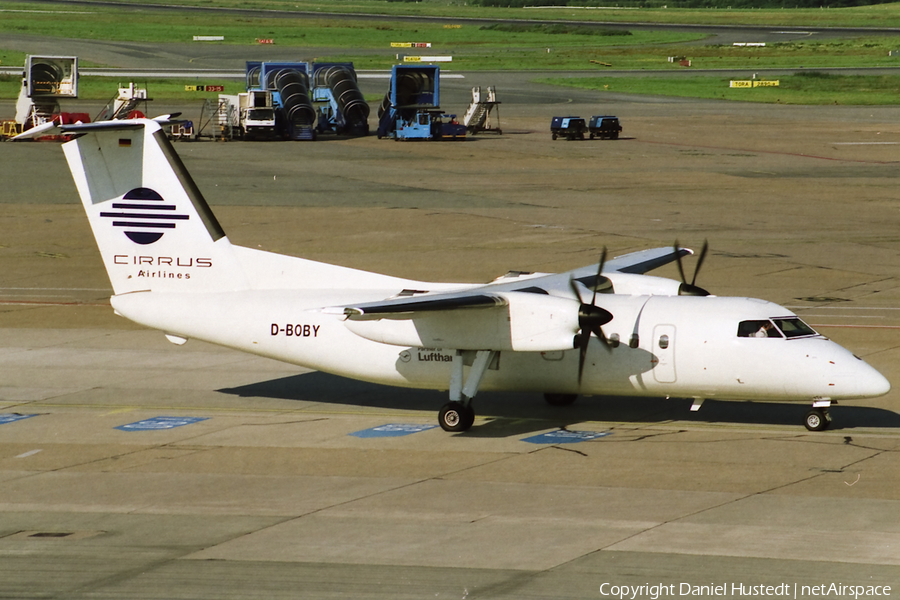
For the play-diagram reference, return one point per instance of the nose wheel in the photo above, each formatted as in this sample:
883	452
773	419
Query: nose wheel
818	419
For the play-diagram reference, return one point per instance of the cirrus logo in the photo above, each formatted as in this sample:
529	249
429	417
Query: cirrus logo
144	216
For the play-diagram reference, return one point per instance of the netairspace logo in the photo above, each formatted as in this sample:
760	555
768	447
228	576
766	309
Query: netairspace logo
733	590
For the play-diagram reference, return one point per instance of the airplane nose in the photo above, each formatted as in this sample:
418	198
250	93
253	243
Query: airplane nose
852	377
871	383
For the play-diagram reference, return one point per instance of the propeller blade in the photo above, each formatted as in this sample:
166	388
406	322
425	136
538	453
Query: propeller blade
599	275
677	249
590	318
575	290
700	260
583	339
691	289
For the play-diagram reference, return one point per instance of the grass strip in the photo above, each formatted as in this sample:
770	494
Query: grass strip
813	88
880	15
162	27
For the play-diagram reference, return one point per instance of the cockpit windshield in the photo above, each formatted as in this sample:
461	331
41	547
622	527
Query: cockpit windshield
792	327
787	327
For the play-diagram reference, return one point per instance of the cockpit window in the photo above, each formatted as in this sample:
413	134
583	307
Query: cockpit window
790	327
758	329
793	327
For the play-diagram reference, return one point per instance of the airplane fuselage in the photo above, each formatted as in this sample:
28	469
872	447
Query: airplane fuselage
663	346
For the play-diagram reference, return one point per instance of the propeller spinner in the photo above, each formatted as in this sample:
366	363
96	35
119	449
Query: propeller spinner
590	319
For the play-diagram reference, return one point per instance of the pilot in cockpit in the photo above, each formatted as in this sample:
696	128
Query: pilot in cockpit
764	330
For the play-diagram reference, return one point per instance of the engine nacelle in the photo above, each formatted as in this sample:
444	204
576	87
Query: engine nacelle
528	323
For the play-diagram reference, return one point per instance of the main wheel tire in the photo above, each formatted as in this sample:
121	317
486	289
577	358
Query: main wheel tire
554	136
456	416
816	420
560	399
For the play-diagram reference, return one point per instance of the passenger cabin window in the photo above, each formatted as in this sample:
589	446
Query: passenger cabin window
758	329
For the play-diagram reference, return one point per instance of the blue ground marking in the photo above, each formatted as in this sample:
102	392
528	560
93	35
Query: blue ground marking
157	423
392	430
11	417
566	437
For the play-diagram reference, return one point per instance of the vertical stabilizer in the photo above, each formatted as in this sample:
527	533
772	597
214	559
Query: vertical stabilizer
154	229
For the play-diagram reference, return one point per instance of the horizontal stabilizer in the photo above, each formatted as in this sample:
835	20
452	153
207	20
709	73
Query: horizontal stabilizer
48	128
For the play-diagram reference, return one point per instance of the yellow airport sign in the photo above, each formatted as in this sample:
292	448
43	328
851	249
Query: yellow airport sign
747	83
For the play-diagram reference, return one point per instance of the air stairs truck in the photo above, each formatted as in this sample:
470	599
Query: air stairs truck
478	115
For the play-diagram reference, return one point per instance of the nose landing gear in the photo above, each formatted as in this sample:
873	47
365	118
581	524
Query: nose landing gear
818	419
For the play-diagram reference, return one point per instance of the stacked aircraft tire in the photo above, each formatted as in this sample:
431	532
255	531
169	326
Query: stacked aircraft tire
350	102
409	86
293	86
253	76
45	78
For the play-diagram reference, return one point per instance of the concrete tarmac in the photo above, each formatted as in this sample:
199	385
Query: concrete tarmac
273	484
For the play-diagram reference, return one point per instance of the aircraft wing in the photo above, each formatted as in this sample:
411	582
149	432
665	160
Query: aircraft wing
646	260
497	294
405	307
538	312
635	263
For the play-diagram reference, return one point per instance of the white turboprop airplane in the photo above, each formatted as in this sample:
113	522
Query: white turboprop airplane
607	330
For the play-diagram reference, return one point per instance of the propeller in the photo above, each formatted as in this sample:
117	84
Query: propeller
590	319
691	289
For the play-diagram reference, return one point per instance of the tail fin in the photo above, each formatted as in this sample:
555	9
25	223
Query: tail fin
152	224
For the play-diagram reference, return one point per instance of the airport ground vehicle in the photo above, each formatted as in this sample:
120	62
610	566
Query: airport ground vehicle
257	115
411	107
569	127
604	126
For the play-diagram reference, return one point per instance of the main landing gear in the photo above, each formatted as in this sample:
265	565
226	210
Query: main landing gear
560	399
458	414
